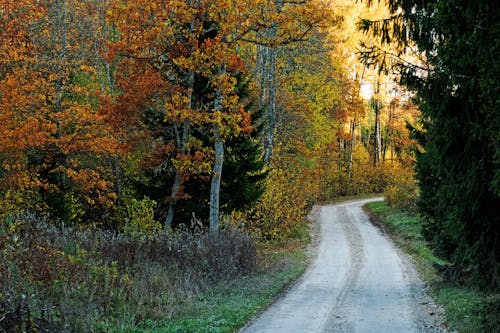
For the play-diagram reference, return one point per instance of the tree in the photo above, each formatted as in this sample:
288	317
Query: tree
56	143
457	90
188	48
273	25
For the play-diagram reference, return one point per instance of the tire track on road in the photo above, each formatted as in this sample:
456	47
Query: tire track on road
346	305
358	282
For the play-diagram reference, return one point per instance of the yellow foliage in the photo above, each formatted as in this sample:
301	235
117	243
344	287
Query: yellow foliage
403	190
140	219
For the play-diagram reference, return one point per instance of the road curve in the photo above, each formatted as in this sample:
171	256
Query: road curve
357	282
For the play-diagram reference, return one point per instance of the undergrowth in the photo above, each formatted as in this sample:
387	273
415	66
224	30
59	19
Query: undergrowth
60	279
468	308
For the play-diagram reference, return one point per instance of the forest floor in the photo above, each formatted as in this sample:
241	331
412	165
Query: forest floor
358	281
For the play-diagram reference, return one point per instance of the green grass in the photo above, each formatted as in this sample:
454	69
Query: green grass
227	309
461	305
464	305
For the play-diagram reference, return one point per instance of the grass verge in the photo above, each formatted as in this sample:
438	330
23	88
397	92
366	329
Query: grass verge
467	309
228	305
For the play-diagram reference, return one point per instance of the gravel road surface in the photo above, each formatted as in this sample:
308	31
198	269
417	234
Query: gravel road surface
358	281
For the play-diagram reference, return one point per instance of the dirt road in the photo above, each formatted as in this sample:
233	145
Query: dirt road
357	282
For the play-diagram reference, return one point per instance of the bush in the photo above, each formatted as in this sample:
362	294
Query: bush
140	218
488	312
284	204
403	192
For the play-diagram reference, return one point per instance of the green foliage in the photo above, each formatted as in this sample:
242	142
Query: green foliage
458	169
13	202
65	206
242	174
488	312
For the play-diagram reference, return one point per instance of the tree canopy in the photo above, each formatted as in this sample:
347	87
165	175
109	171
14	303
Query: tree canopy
249	110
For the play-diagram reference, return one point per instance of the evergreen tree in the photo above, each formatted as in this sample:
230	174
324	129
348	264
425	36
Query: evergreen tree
458	92
243	170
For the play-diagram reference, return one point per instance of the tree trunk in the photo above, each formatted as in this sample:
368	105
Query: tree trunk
377	151
378	140
217	168
215	183
271	106
173	200
261	73
181	141
117	173
351	148
266	71
176	186
390	133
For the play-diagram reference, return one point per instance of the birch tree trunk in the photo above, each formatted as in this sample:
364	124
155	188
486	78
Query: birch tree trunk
261	73
266	71
271	105
215	183
378	139
354	122
216	171
266	63
351	148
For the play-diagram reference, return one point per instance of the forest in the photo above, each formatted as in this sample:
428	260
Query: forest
149	143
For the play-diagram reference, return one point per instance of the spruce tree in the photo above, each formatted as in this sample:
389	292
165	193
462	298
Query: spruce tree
458	92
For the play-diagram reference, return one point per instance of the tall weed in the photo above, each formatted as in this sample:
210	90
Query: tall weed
60	279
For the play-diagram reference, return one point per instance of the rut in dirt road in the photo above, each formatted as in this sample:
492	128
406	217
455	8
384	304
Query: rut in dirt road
358	282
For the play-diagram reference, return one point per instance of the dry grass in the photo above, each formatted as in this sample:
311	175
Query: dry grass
59	279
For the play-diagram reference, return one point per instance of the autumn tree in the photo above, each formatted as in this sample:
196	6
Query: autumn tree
306	135
271	26
187	46
53	132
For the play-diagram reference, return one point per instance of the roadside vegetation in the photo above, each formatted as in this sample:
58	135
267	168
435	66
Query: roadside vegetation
60	279
468	308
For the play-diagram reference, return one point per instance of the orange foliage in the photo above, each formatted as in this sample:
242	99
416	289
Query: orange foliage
162	47
48	119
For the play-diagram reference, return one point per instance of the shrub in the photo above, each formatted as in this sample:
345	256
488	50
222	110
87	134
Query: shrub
403	191
283	206
140	218
488	312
